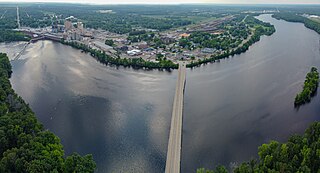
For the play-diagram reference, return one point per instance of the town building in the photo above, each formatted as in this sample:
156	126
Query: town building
184	35
208	50
80	27
134	52
68	25
102	46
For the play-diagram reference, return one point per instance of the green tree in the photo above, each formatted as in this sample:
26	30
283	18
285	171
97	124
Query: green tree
299	154
109	42
77	163
25	146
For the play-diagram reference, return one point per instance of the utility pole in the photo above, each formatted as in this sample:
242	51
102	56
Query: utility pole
18	19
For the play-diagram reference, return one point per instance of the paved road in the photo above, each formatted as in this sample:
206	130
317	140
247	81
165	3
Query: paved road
175	136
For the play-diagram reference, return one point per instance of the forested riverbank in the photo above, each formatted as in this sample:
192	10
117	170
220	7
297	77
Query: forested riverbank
299	154
7	35
261	28
252	93
132	62
292	17
25	145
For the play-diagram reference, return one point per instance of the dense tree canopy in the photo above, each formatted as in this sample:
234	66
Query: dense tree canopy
109	42
9	35
292	17
137	36
300	154
117	20
25	146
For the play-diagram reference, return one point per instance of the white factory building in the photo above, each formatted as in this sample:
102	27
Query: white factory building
134	52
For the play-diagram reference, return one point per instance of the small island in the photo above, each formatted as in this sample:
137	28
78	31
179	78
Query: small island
309	89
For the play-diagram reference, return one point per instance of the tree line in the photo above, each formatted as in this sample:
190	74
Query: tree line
102	57
292	17
121	22
261	30
301	154
9	35
25	146
309	88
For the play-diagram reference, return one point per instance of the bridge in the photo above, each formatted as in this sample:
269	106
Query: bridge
175	136
40	37
20	53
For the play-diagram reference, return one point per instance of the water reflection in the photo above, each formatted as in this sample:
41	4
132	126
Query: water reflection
234	106
122	116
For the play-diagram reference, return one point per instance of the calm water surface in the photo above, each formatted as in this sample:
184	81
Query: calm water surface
234	106
122	116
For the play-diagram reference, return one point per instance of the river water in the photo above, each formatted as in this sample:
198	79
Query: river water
122	116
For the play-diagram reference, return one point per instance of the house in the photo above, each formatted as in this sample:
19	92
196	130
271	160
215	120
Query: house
184	35
167	40
208	50
142	46
148	49
123	48
102	46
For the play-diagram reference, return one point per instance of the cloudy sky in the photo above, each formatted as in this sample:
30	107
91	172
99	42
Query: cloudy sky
176	1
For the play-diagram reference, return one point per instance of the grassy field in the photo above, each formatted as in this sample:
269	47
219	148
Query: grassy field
315	19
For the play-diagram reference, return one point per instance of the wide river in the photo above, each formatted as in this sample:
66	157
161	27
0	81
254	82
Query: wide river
122	116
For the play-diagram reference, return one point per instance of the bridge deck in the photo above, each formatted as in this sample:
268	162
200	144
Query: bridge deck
175	136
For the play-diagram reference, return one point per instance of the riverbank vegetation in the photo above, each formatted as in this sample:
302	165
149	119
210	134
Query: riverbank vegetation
261	28
309	88
9	35
102	57
25	145
234	36
300	154
293	17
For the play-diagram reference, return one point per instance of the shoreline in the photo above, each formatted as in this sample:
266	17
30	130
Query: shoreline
162	63
157	65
